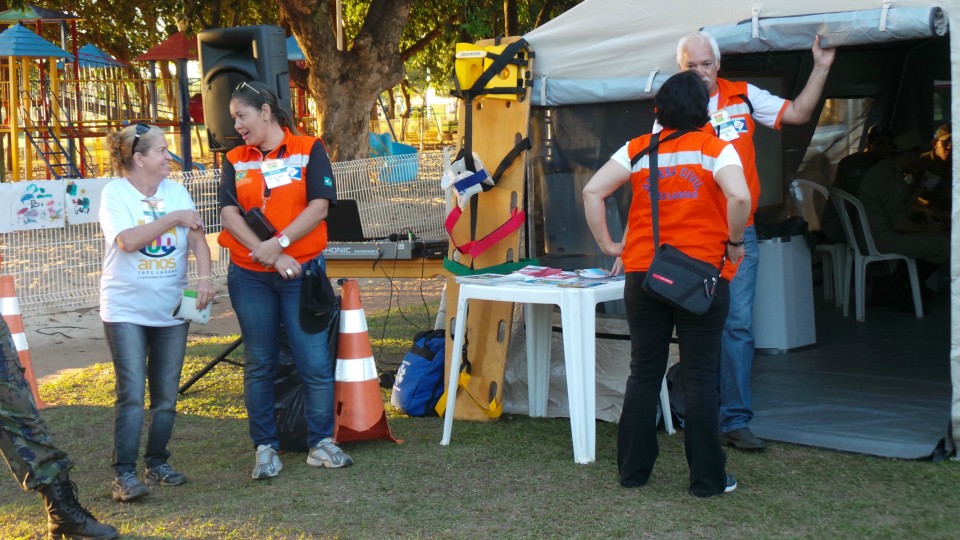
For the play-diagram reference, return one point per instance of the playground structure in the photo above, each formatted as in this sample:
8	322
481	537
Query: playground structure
57	103
56	106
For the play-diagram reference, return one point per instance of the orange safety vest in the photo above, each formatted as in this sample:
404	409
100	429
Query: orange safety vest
731	98
693	208
284	203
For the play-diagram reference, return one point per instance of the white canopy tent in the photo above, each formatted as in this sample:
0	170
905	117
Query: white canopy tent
622	50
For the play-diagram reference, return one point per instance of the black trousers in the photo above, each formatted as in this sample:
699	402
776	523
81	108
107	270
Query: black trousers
651	323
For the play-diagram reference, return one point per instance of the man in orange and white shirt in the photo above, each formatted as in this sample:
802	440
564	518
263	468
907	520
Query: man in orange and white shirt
735	108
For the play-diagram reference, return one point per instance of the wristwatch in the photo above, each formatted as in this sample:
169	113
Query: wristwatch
284	240
731	243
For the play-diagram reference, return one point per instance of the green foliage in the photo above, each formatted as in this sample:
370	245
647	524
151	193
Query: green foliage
143	26
477	19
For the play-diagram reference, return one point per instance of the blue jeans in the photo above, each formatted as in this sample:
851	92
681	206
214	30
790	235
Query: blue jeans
262	300
141	355
736	345
651	324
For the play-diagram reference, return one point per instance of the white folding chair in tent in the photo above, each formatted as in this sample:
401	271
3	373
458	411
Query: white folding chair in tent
804	194
863	251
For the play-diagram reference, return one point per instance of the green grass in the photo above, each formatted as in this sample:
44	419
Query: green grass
513	478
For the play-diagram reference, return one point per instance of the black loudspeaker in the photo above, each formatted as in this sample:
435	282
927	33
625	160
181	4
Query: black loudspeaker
230	56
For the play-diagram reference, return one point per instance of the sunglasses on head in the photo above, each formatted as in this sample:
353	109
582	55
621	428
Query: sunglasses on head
243	85
141	129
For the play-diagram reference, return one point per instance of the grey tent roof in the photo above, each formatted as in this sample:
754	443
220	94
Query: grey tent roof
17	41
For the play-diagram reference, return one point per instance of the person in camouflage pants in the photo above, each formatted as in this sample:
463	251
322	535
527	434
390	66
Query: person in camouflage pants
33	459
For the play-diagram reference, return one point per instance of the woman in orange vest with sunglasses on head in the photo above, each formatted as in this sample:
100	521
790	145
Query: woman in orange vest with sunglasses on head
703	207
289	179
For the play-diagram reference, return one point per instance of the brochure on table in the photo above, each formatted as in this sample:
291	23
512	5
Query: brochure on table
543	275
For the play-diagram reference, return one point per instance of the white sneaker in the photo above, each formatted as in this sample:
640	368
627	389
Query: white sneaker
268	463
327	454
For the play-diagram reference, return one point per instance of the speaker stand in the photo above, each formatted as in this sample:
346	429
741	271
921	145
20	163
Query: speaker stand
222	357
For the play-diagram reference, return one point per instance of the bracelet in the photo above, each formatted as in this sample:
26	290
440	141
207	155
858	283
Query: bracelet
731	243
205	277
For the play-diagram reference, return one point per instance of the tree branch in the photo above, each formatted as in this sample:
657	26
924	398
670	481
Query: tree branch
545	13
430	36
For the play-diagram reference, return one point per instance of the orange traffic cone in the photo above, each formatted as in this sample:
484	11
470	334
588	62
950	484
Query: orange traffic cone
11	315
358	405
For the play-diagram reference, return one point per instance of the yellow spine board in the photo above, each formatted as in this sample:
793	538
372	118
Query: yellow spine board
497	126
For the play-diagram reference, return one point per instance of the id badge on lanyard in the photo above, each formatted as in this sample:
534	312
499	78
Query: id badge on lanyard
724	126
275	173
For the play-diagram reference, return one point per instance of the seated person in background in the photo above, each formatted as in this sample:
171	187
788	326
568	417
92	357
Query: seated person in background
886	195
850	171
933	178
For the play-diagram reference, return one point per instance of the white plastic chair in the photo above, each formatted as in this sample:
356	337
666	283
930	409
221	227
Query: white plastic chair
863	251
833	260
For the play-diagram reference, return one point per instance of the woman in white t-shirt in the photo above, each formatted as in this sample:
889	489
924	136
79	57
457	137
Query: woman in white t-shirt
149	223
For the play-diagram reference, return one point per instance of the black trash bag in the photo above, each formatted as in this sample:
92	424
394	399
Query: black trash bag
288	408
289	394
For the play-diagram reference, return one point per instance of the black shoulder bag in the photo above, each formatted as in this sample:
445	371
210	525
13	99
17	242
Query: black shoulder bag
673	276
255	219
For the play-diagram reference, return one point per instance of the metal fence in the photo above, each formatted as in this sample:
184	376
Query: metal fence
59	269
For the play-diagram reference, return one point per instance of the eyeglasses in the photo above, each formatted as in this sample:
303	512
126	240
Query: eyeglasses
141	129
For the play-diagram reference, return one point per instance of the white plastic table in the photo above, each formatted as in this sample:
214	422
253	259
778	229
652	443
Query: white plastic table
578	316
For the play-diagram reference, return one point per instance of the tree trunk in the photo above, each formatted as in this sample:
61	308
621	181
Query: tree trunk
346	83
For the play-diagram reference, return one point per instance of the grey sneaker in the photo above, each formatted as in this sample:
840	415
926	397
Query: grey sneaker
164	475
127	487
327	454
268	463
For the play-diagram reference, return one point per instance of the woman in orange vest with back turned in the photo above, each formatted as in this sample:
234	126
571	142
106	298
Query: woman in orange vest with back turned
289	178
703	207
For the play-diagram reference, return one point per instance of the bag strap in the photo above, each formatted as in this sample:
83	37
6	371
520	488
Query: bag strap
458	269
654	144
500	61
654	175
492	410
243	213
654	188
476	247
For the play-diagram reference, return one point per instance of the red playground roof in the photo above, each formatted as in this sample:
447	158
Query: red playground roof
179	46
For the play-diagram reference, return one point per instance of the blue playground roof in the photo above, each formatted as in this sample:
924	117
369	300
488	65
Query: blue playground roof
293	50
31	12
17	41
93	57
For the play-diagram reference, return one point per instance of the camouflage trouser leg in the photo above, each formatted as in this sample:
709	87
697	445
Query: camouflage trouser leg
24	440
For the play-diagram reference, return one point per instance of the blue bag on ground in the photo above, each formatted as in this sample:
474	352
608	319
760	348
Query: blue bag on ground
419	382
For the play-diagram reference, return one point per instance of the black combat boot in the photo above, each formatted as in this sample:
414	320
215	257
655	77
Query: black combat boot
66	518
